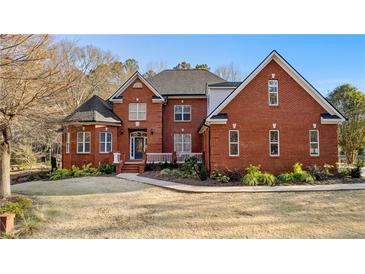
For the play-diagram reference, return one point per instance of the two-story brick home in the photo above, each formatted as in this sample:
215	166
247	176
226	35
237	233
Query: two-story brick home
274	118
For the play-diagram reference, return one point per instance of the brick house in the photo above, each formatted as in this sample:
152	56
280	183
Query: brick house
274	118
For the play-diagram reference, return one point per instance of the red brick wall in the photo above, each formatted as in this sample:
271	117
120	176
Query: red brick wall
294	117
95	157
198	113
152	124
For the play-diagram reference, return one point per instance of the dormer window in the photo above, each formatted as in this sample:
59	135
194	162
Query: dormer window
273	90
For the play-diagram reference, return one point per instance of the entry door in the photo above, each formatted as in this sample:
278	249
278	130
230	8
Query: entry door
138	147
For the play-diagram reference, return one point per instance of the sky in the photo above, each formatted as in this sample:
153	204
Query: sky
326	61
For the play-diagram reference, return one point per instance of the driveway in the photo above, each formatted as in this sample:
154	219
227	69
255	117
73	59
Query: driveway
78	186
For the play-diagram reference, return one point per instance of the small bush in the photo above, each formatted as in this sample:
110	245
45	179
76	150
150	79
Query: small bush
285	177
252	177
60	174
166	172
298	175
12	207
318	172
356	171
202	173
234	174
219	177
107	168
267	179
24	202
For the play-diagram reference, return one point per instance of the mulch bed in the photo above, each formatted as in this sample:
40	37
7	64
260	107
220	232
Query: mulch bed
210	182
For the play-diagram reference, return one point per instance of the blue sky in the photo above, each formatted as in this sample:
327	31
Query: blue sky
324	60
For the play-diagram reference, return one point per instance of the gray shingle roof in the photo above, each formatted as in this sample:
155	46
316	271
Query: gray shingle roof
226	84
183	82
94	110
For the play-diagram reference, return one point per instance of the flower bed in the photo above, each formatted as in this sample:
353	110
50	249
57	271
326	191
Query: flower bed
193	174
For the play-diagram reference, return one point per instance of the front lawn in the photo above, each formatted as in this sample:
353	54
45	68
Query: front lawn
140	211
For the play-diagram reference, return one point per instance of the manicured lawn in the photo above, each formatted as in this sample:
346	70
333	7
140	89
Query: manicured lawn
140	211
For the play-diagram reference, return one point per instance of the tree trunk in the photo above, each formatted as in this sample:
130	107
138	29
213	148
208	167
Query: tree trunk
5	170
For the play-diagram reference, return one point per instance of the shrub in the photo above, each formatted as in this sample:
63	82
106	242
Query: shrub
234	174
285	177
107	168
203	173
219	177
356	171
298	175
318	172
166	171
267	179
86	170
24	202
252	177
12	207
60	174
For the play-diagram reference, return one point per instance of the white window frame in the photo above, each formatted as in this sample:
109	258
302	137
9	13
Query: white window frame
271	92
278	143
310	142
182	113
234	143
83	142
137	112
182	143
67	147
104	144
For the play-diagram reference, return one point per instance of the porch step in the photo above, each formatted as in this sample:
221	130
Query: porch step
132	167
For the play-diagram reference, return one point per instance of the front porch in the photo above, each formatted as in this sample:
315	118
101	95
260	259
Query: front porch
128	165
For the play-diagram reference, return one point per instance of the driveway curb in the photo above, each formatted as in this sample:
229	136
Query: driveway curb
237	189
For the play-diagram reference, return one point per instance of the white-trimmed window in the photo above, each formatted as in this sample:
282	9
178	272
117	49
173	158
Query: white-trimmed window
314	142
67	142
83	142
273	91
105	142
137	111
274	143
234	147
182	143
182	113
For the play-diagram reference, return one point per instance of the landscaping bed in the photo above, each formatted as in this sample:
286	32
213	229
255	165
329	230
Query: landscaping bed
193	172
211	182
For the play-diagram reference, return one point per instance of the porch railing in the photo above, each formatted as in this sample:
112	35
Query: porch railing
159	158
180	157
156	157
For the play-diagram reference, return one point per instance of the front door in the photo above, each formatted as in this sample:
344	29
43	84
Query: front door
138	147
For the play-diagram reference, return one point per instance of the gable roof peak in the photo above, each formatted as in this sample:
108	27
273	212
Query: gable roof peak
274	55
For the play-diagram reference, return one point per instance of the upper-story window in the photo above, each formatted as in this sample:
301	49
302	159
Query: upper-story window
105	141
234	149
274	143
273	89
67	142
137	111
314	142
182	112
83	142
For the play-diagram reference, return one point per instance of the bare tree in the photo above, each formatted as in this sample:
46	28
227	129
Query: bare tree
33	77
229	72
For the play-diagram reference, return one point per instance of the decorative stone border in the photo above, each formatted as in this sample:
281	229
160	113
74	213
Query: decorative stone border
234	189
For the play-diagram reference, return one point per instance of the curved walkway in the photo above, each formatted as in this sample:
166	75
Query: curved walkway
230	189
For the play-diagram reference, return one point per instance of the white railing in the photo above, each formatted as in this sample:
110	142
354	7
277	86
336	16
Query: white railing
159	158
180	157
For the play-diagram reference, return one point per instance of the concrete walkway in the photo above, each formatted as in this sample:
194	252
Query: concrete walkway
229	189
